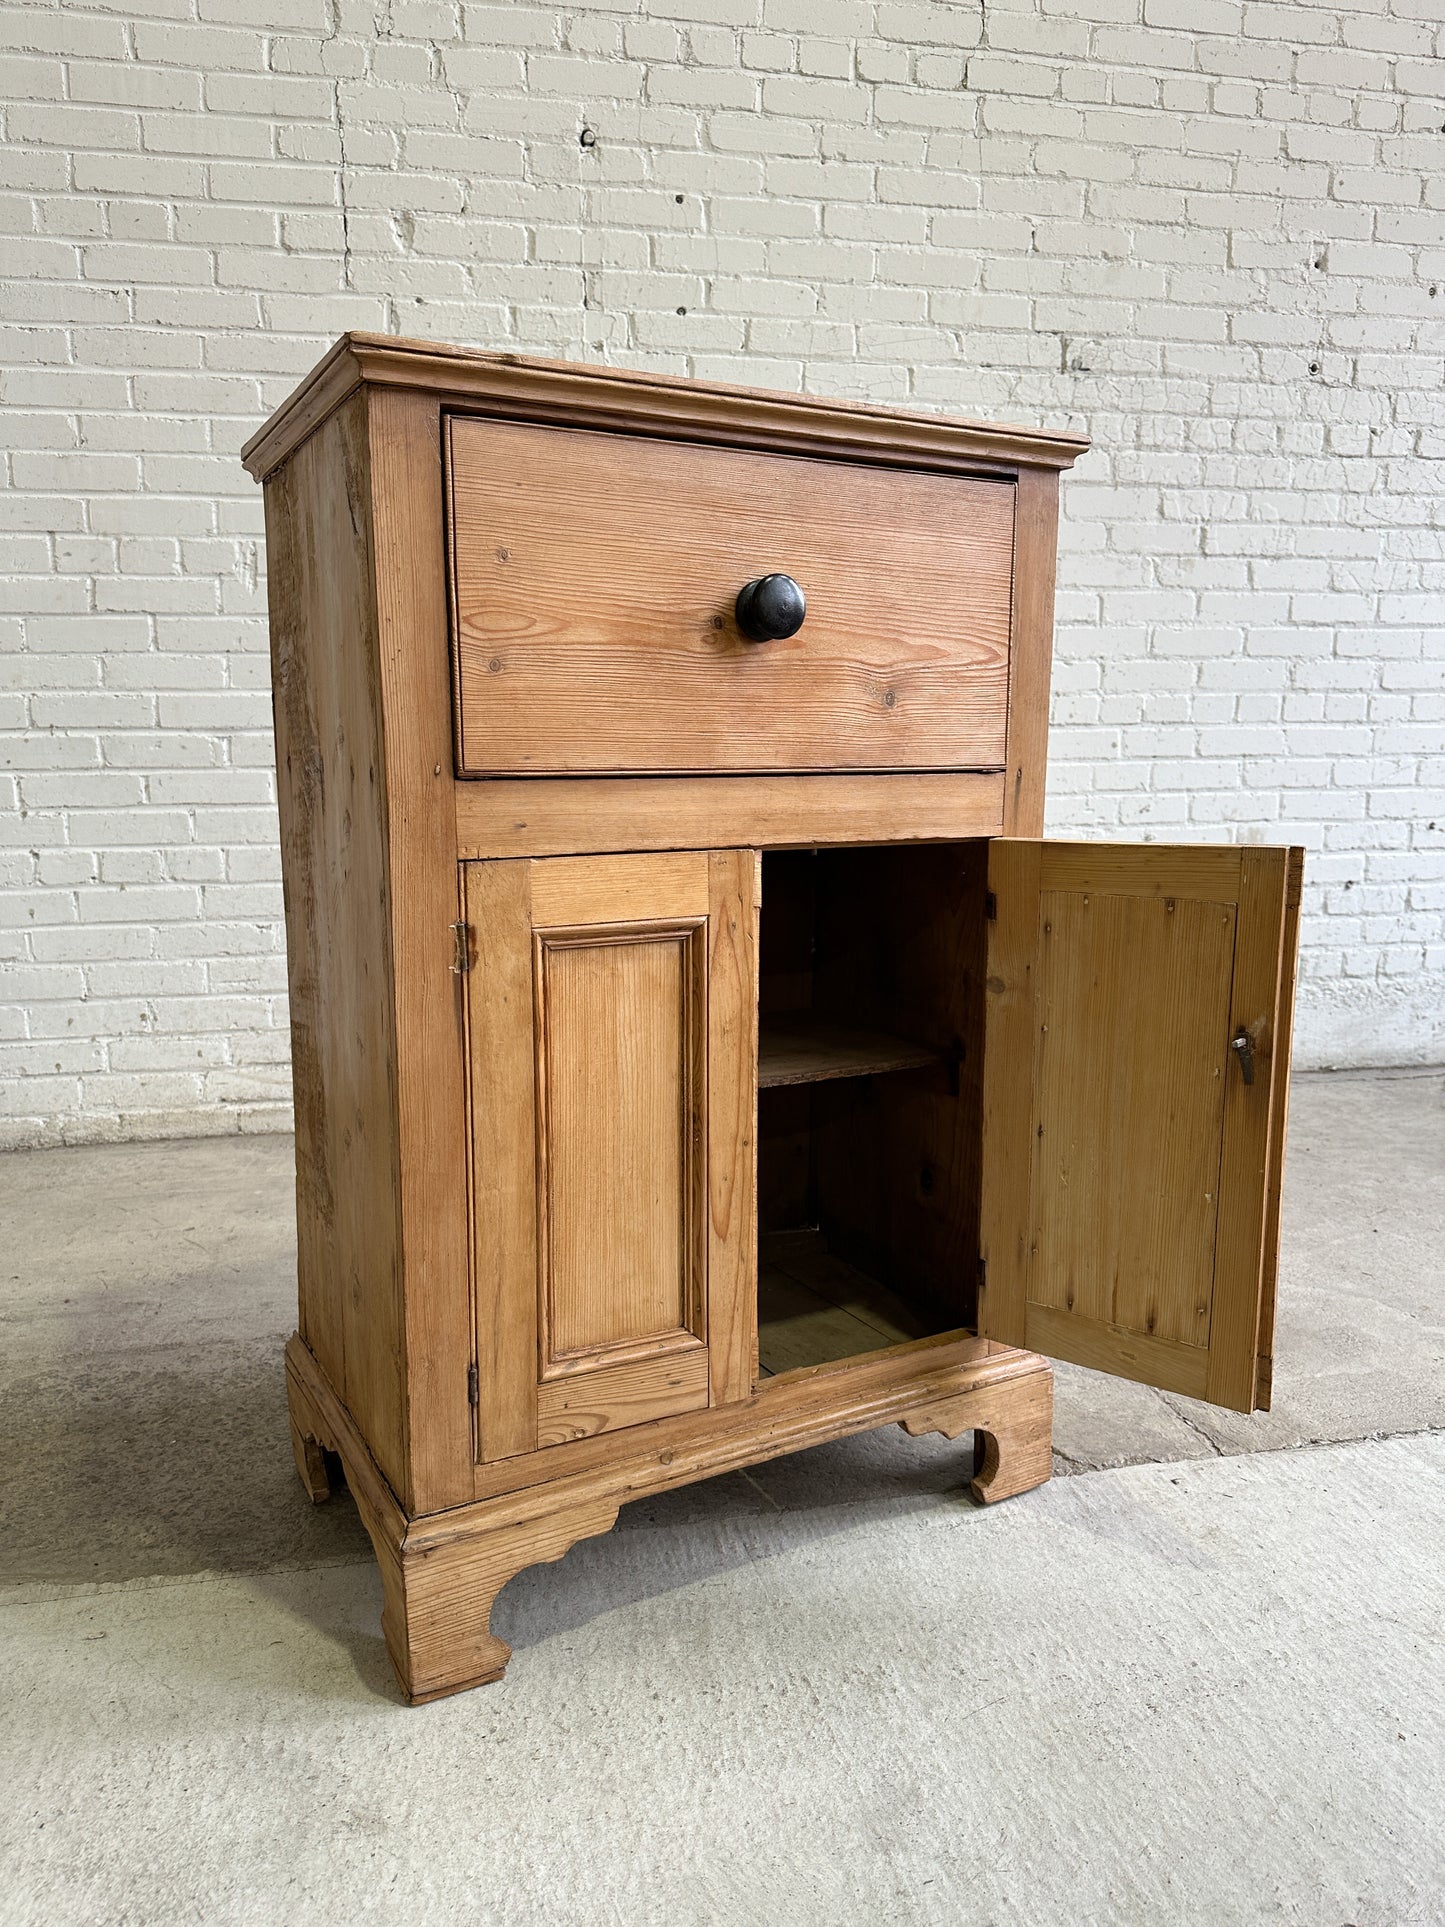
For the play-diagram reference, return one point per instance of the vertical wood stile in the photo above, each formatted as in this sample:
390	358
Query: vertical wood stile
1036	540
732	1109
504	1156
408	549
1279	1125
1013	879
1245	1175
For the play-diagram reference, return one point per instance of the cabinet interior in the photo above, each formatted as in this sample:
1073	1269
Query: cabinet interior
871	1000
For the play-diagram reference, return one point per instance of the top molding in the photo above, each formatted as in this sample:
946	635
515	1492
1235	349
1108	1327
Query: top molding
585	395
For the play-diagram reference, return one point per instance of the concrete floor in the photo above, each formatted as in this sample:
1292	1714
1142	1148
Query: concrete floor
826	1691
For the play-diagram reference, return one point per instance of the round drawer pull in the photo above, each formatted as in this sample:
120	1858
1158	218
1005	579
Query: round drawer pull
769	608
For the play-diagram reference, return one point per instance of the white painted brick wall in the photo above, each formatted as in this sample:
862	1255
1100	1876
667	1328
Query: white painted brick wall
1209	232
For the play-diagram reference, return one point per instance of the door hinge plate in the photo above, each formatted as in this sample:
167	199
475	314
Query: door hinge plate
474	1390
990	906
461	949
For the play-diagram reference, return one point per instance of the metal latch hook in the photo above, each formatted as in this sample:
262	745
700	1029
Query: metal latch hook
1244	1051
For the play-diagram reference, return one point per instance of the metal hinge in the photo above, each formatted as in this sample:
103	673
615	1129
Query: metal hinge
990	906
474	1390
461	950
980	1297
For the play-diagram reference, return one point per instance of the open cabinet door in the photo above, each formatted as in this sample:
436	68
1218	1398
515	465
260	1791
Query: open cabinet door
1136	1065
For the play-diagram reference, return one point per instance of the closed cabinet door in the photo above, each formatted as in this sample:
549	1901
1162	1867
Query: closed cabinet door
612	1049
1136	1066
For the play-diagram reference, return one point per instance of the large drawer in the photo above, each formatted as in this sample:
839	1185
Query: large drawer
593	578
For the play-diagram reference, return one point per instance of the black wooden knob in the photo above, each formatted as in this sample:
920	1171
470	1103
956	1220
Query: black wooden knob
770	608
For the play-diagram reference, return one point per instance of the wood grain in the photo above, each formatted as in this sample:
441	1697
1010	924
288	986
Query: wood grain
583	1404
332	798
441	1573
1136	1241
525	388
807	1258
1206	873
539	816
1132	1008
428	1067
1166	1363
619	889
806	1051
1008	1055
1016	1435
798	1327
327	388
613	1116
1035	554
320	1419
732	1122
440	1640
593	585
813	1308
1246	1189
1279	1125
883	1385
621	1028
504	1156
437	1597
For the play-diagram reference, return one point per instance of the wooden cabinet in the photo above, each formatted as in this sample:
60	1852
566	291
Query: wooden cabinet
698	1051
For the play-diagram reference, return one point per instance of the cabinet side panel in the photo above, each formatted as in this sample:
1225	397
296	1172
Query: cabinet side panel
331	794
1031	651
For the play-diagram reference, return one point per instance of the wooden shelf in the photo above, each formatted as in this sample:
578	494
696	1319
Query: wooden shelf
798	1050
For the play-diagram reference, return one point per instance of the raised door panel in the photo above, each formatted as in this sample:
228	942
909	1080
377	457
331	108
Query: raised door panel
1135	1067
621	1019
611	1033
594	578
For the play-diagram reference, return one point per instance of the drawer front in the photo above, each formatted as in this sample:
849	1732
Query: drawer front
593	578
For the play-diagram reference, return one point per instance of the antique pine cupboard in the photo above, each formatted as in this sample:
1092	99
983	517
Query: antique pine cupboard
698	1051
